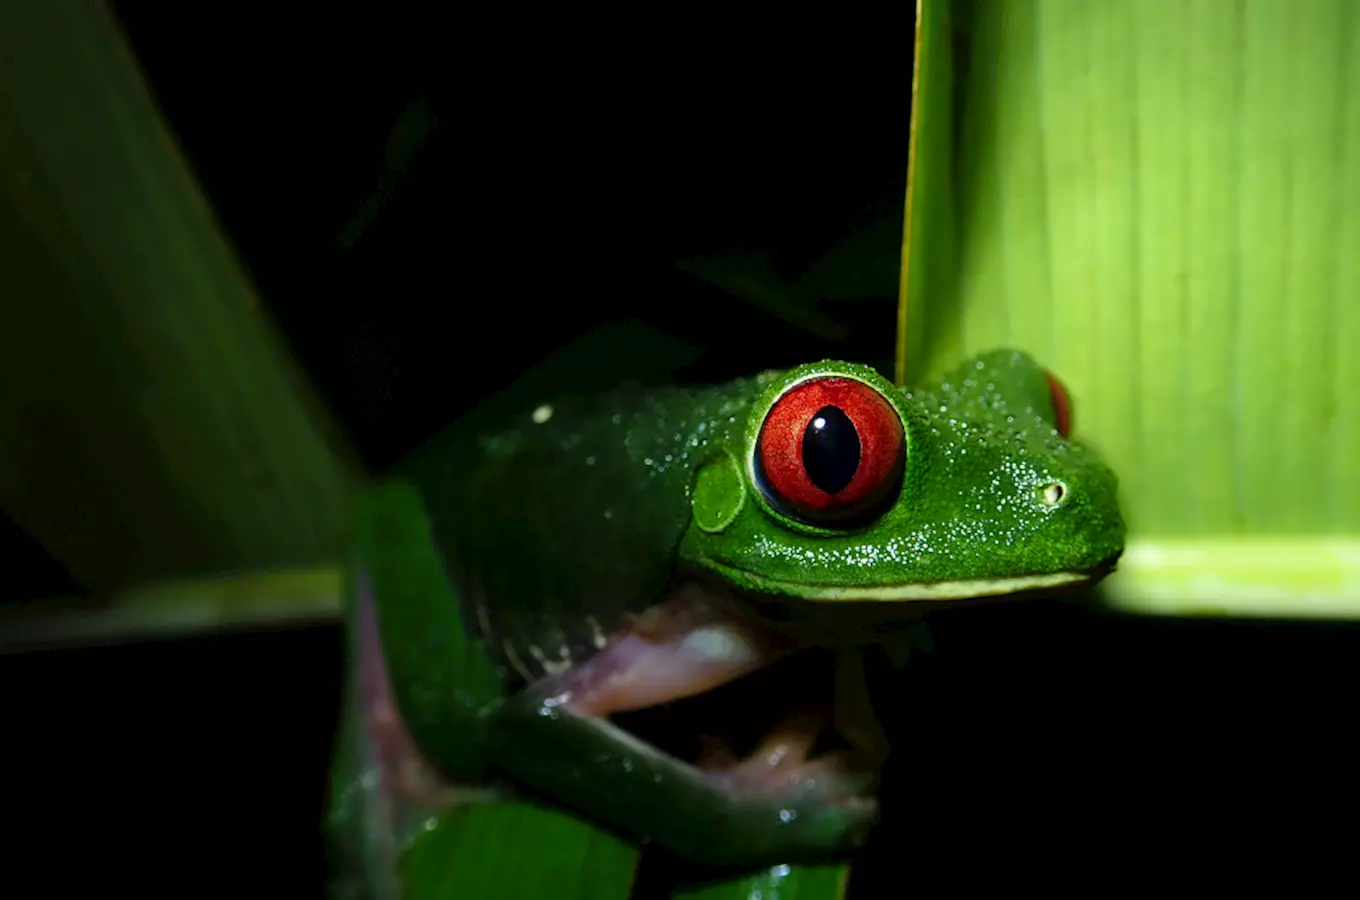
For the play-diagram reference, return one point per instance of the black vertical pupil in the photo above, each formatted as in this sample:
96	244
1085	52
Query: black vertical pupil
831	449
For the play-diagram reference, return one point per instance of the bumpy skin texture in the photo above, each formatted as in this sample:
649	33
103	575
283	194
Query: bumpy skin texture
561	520
553	530
982	447
551	525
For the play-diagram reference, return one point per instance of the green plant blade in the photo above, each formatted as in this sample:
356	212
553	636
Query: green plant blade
1241	577
928	239
507	851
410	135
152	423
1164	204
175	608
749	278
777	883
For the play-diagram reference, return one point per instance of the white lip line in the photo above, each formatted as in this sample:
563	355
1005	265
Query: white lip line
932	591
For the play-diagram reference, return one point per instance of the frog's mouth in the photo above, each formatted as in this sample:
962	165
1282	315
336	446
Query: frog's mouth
760	696
942	592
734	702
691	692
750	702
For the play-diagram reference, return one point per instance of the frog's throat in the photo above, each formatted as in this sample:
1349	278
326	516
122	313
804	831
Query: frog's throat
931	591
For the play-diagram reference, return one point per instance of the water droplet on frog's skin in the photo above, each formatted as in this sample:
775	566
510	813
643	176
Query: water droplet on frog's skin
788	815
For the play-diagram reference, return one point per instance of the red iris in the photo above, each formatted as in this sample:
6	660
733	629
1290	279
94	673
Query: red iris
1062	406
831	449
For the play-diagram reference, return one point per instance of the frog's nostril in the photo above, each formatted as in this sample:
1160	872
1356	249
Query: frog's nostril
1054	493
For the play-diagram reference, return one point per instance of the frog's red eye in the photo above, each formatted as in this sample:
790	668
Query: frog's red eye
1062	406
830	450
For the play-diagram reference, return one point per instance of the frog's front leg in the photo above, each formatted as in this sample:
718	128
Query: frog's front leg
384	788
776	803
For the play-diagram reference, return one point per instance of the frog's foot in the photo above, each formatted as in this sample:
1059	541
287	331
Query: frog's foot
716	734
782	764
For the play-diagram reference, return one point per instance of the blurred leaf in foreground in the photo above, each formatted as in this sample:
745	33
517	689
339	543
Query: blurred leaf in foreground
152	423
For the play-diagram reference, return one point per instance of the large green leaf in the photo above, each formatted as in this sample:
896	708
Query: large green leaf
1163	202
152	423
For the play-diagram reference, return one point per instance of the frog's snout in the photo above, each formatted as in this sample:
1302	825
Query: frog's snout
1086	513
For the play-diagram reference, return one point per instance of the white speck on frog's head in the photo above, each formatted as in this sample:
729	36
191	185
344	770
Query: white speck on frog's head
780	871
787	815
542	414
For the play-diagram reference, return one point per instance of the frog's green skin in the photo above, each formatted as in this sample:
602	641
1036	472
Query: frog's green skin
558	524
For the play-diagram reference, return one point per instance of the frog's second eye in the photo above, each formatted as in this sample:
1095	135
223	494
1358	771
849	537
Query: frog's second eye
1062	406
830	450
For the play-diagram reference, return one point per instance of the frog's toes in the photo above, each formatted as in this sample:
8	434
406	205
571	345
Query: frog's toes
830	779
781	766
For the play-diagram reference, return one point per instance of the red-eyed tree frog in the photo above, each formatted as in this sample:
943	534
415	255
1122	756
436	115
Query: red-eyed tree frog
525	589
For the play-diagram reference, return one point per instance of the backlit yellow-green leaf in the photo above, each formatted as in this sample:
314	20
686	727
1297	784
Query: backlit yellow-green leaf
1162	200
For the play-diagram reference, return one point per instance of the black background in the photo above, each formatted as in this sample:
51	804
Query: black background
575	161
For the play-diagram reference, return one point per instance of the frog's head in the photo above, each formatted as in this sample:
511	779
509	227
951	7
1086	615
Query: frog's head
844	487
